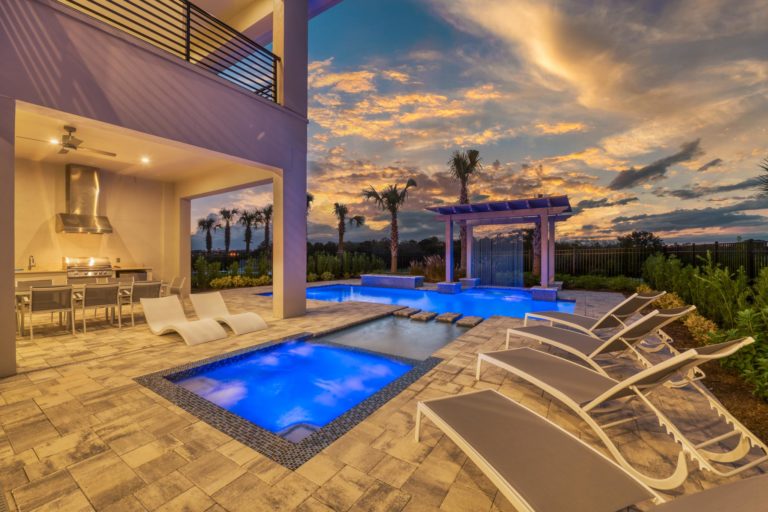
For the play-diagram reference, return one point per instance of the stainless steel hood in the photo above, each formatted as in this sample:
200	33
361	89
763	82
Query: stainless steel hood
82	215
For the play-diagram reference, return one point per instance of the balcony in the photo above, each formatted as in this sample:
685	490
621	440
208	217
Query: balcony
190	33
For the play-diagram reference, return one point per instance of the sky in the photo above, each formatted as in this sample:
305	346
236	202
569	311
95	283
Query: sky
650	115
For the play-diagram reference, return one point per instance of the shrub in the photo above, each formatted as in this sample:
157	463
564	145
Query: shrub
416	268
327	276
311	277
234	269
595	282
701	328
205	272
264	280
434	269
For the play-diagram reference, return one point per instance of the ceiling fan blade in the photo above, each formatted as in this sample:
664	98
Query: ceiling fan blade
99	151
63	151
74	141
37	140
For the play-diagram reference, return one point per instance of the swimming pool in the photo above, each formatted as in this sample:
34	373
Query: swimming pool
289	399
295	388
482	302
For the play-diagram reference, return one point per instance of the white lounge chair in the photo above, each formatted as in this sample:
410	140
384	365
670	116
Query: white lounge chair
165	315
588	394
613	319
589	347
212	306
539	467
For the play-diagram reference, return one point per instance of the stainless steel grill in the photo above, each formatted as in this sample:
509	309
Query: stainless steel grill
88	266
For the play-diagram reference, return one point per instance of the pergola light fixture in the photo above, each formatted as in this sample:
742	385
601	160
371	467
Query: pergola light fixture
145	160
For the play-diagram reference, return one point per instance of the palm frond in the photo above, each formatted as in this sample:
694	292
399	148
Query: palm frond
357	220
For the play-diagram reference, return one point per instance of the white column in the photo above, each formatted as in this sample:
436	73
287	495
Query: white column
185	245
289	42
449	251
289	242
7	255
551	261
544	228
470	240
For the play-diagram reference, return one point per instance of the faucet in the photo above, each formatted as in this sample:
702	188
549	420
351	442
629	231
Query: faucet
31	262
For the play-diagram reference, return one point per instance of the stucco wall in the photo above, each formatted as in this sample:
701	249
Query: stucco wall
135	207
56	57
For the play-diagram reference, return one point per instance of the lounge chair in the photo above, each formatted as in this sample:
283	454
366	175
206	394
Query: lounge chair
211	305
587	393
614	319
538	466
165	315
589	347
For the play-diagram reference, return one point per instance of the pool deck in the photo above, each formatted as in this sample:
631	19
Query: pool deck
77	433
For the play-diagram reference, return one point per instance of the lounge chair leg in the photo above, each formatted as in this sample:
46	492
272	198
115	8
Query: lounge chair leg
417	430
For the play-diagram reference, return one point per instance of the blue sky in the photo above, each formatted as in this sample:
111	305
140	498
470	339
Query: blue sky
650	115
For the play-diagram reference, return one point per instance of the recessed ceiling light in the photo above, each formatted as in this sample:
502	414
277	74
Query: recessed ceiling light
145	160
53	141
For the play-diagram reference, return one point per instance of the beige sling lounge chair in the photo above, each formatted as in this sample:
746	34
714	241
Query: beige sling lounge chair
540	467
589	347
165	315
614	319
589	393
211	305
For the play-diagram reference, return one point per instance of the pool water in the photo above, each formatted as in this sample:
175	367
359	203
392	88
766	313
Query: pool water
398	336
294	388
482	302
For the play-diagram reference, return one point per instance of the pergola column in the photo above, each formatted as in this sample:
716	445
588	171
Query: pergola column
7	256
449	250
551	251
470	240
544	231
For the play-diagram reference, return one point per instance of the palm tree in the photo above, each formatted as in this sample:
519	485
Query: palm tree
763	178
249	219
391	199
229	217
462	165
341	211
310	200
207	225
266	218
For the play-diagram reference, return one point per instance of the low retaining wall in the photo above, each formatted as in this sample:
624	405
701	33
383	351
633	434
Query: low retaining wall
389	281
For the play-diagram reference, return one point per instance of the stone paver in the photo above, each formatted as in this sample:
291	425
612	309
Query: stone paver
469	321
406	312
448	318
424	316
77	433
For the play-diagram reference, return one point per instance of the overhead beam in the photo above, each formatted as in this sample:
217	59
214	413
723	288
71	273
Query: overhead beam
511	214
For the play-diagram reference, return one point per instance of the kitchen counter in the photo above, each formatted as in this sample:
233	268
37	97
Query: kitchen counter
34	271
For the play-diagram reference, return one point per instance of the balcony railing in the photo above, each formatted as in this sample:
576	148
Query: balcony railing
183	29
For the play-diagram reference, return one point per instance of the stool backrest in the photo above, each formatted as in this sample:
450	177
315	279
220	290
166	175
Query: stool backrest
101	295
145	290
50	298
26	285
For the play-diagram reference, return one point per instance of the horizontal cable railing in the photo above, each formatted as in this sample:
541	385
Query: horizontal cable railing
188	32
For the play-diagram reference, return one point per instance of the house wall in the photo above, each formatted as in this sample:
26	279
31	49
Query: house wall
135	207
56	57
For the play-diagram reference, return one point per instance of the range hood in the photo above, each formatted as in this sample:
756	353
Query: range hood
82	215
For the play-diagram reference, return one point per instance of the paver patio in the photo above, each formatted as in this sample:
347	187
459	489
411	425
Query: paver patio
77	433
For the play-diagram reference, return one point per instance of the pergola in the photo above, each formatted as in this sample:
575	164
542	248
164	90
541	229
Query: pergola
543	211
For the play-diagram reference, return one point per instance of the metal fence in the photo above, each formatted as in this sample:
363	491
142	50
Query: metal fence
188	32
752	255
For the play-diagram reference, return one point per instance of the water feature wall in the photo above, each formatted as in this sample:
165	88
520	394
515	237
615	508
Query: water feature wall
498	259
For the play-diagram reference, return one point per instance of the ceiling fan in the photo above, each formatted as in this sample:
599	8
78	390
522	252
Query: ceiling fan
71	143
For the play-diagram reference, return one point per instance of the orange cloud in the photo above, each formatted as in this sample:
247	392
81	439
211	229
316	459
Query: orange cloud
558	128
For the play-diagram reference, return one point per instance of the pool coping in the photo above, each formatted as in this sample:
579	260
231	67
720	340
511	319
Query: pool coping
284	452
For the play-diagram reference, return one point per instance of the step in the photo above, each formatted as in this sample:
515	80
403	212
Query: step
424	316
448	318
469	321
406	312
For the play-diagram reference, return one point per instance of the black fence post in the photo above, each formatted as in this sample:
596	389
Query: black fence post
715	258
